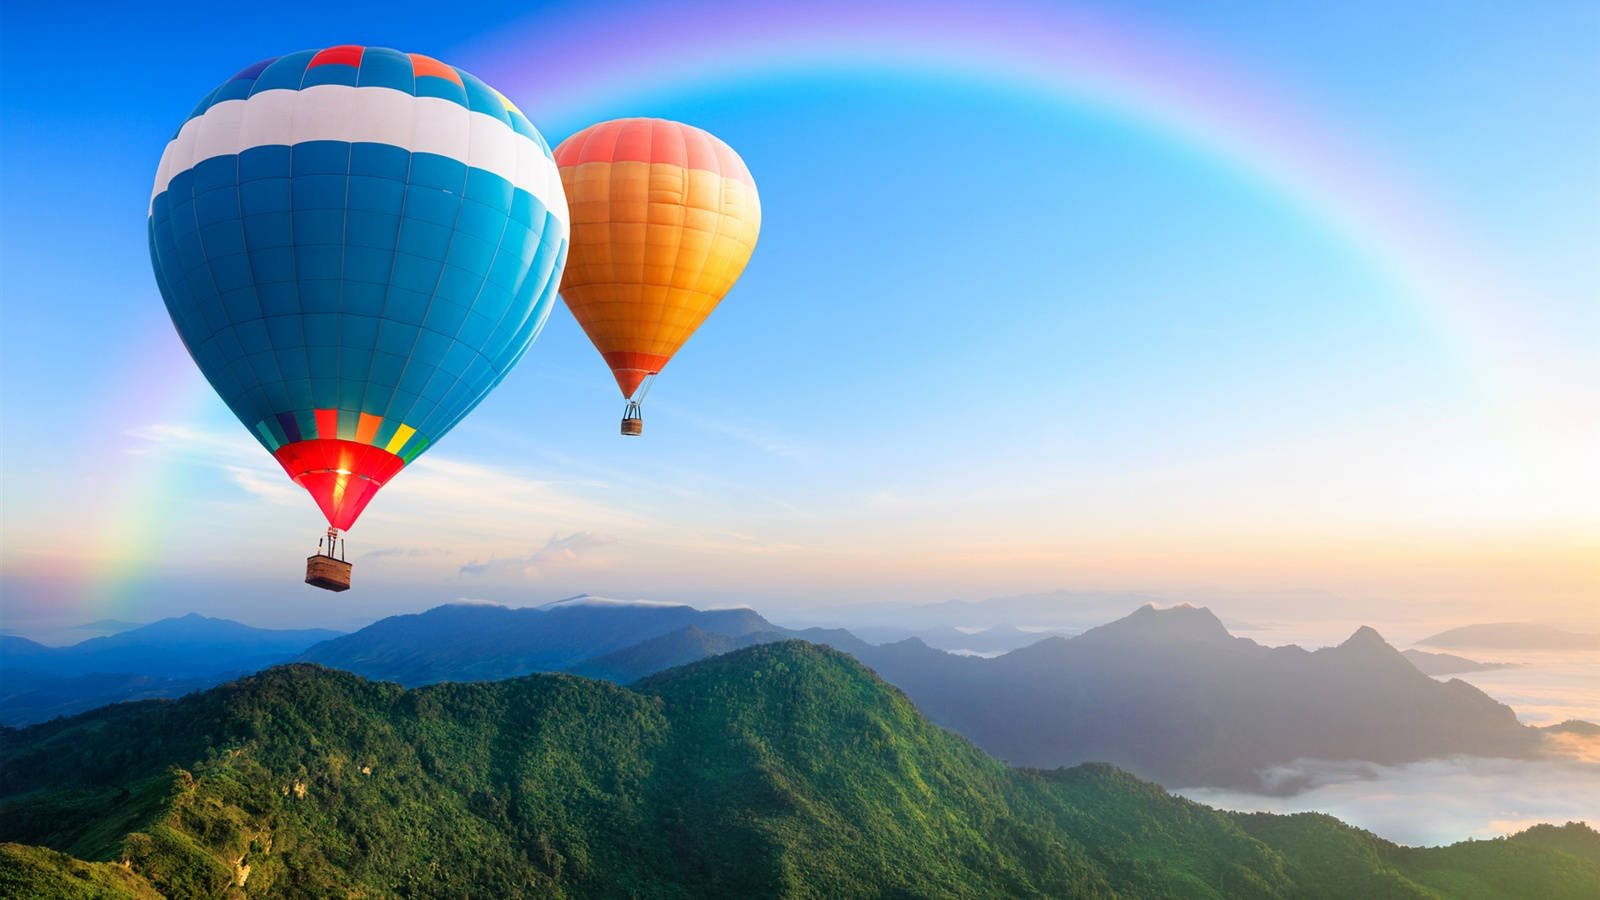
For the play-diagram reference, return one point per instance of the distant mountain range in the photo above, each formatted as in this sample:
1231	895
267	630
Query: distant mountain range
163	659
982	641
1166	693
482	643
1172	696
1513	636
778	770
1450	664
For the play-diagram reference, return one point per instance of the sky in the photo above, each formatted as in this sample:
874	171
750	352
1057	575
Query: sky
1292	310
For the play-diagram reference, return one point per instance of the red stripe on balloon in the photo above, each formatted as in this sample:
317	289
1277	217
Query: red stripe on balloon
427	65
342	476
344	54
652	141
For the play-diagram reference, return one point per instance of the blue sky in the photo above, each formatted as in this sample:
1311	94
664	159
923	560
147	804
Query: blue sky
996	338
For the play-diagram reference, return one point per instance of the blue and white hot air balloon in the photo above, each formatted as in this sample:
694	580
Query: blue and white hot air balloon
356	245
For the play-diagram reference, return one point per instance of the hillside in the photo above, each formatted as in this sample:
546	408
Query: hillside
782	769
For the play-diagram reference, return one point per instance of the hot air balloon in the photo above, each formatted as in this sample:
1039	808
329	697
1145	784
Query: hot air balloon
664	218
355	245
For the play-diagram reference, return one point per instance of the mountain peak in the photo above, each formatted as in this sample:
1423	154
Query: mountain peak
1366	636
1182	622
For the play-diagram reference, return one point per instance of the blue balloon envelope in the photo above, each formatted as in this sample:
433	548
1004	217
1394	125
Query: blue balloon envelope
356	245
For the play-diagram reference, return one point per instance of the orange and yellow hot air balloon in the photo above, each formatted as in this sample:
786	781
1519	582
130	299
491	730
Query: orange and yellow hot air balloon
664	217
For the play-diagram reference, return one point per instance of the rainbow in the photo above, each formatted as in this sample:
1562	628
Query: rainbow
563	66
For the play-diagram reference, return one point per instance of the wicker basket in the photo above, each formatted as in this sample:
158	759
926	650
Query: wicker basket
633	426
327	573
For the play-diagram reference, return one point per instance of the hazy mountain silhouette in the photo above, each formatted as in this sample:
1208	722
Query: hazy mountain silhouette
27	696
1170	695
1513	636
481	642
780	770
997	639
183	646
1449	663
675	648
166	658
112	625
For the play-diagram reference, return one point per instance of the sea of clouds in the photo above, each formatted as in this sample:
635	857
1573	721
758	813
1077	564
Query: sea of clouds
1432	802
1441	801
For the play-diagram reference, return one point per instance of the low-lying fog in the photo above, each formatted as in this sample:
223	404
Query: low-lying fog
1440	801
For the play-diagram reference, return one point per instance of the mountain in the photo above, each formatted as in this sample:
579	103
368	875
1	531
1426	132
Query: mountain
481	642
1574	726
1170	695
108	625
14	650
675	648
779	770
1065	610
187	646
1513	636
163	659
1449	664
998	639
28	696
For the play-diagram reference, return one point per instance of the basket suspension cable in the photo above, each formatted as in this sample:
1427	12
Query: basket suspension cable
644	388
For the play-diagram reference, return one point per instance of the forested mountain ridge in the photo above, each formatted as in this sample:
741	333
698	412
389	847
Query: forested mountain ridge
775	770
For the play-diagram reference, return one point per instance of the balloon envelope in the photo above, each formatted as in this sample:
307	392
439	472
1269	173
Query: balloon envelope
664	218
355	245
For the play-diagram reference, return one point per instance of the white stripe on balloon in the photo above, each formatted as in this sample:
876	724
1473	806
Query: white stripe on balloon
337	112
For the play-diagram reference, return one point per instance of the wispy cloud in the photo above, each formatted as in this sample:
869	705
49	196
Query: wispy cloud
402	553
754	434
557	553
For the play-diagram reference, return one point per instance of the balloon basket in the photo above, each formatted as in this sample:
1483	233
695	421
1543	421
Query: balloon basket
326	571
633	418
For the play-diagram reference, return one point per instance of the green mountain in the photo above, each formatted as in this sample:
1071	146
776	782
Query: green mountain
783	769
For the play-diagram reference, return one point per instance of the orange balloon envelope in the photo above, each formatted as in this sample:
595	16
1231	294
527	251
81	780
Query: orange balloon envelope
664	218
